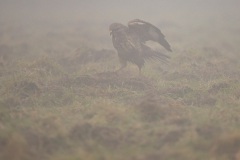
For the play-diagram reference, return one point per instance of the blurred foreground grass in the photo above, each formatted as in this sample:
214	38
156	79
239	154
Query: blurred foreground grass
74	107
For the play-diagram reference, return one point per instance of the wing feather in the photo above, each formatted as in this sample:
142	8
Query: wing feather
146	31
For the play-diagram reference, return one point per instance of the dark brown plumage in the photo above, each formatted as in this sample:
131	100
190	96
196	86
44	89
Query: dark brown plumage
130	42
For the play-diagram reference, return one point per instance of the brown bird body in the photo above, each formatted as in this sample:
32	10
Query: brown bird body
130	42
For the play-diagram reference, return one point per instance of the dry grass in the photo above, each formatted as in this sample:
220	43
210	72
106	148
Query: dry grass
74	106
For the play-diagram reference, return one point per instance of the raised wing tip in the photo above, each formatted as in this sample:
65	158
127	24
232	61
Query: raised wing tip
136	21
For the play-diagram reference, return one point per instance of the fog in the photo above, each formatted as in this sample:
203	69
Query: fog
186	24
63	97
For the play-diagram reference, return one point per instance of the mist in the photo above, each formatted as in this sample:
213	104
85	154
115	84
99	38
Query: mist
64	94
190	23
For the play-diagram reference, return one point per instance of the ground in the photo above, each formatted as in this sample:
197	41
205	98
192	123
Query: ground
76	107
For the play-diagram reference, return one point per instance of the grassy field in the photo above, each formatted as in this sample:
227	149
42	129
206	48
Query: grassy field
60	98
73	107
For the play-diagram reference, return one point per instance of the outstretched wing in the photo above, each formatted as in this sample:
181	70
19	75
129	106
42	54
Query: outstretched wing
146	31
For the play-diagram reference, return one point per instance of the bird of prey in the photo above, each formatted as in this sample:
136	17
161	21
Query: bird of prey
130	42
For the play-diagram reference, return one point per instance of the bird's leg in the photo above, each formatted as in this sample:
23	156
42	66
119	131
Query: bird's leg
140	72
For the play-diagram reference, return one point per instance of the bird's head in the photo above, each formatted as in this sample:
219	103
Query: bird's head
115	27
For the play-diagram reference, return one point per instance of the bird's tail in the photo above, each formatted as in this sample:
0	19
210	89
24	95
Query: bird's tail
149	53
155	55
161	57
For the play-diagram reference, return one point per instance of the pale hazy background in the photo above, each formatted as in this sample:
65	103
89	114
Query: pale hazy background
62	25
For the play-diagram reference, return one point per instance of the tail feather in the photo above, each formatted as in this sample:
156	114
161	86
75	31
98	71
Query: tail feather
162	57
157	56
149	53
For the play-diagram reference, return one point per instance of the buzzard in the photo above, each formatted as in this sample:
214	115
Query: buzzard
130	42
